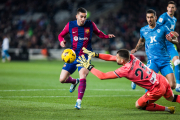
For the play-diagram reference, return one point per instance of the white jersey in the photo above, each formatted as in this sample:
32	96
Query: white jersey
5	44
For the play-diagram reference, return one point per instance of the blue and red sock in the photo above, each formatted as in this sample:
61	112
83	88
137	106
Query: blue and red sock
81	88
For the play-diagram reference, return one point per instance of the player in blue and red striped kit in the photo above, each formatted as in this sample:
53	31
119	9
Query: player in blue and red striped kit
80	31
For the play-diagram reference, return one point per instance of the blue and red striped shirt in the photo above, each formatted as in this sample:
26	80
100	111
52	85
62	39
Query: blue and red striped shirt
81	35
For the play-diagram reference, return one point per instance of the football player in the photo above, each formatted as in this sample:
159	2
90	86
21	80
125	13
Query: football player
80	31
169	20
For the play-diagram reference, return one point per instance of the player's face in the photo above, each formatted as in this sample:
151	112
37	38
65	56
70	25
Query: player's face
171	8
119	60
151	19
81	18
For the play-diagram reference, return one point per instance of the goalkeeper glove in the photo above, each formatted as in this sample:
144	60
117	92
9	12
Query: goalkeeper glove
90	53
84	63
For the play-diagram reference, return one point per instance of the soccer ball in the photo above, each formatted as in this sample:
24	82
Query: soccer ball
68	55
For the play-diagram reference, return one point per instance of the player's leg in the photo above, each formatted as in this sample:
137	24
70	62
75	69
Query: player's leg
65	77
7	55
167	71
146	102
83	72
3	56
169	93
172	50
176	62
171	79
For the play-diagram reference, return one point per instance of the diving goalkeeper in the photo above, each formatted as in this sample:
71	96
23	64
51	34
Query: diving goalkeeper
134	70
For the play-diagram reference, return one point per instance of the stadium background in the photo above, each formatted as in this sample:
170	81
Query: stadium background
31	90
35	24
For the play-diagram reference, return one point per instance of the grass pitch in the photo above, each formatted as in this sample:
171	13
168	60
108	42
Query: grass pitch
31	90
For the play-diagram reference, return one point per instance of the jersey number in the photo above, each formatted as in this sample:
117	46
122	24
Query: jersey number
141	71
136	73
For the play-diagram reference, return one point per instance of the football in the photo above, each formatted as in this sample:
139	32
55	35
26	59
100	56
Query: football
68	55
175	33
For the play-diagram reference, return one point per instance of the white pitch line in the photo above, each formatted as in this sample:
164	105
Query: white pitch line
68	89
67	96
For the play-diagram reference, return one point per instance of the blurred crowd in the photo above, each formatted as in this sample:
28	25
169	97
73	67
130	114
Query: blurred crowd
43	32
31	23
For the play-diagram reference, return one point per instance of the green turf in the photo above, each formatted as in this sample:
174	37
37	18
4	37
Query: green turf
31	90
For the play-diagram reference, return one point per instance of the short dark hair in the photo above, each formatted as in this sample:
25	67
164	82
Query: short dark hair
172	2
82	10
124	54
151	11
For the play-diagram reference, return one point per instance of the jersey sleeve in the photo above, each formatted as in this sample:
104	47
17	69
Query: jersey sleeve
161	20
141	33
98	32
103	76
64	32
121	72
107	57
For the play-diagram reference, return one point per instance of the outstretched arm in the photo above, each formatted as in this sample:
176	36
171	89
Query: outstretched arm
107	57
100	33
139	45
103	76
86	63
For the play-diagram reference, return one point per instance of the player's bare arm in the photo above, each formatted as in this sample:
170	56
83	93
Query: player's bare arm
139	45
172	37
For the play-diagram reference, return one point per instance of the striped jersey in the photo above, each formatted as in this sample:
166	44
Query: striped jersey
81	35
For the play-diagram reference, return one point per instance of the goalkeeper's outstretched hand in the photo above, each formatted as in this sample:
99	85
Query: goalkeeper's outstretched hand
90	53
84	63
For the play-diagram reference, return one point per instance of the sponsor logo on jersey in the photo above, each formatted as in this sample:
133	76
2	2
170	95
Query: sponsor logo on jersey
76	38
87	31
153	39
145	33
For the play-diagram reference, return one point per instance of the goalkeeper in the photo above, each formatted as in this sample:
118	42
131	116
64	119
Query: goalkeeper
134	70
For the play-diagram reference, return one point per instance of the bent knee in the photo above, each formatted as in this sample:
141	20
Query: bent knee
173	86
62	80
137	105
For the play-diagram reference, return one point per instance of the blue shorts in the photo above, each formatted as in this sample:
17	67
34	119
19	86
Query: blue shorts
164	67
71	67
172	51
5	54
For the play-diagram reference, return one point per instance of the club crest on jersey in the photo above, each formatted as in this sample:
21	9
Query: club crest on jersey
87	31
75	38
158	30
